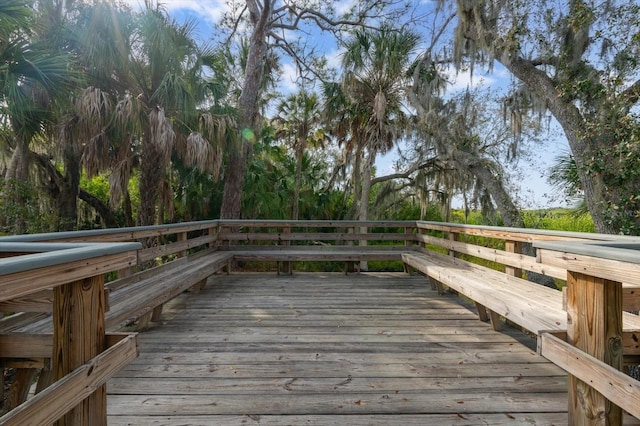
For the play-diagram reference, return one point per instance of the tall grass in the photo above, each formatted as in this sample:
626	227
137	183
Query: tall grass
559	220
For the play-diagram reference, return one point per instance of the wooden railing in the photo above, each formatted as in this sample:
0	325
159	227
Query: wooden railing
592	349
83	357
40	274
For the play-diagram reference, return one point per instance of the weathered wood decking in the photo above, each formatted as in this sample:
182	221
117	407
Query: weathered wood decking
332	349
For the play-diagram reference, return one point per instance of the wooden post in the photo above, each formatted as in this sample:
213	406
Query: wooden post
123	273
349	266
213	231
482	312
513	247
182	236
363	265
285	267
19	390
594	325
407	243
453	236
79	336
156	314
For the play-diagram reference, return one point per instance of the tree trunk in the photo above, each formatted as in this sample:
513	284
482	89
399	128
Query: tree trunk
356	178
248	114
67	201
364	200
107	215
300	145
595	192
233	186
128	209
56	179
17	174
151	174
511	216
510	213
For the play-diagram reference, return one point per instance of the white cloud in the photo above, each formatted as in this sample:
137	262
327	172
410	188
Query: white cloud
210	11
207	10
345	6
288	78
334	58
461	80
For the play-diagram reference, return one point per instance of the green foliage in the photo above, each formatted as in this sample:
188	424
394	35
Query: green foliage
98	186
270	183
616	161
31	215
197	195
559	220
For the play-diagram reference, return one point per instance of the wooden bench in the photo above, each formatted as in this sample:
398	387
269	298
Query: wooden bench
139	296
143	295
535	308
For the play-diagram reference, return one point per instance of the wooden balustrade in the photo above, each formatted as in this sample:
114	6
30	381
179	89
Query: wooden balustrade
602	274
76	274
594	345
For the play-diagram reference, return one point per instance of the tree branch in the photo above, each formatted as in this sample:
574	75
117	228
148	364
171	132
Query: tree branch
56	178
323	21
631	95
236	24
432	162
301	62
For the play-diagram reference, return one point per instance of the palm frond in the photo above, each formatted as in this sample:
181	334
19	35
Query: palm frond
120	175
14	16
162	135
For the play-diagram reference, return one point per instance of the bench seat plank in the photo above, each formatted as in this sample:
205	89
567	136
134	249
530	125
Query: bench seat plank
139	297
532	306
142	297
504	297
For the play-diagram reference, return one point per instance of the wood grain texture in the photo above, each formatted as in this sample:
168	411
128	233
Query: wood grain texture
78	386
534	307
615	385
332	349
594	326
511	259
34	280
79	336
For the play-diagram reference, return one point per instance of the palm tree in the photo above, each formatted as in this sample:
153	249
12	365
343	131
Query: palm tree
154	115
369	102
299	119
370	98
32	79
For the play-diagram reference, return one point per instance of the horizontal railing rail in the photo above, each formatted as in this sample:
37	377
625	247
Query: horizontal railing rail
600	272
82	359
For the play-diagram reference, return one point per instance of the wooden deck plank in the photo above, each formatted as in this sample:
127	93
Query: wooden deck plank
351	420
316	385
333	349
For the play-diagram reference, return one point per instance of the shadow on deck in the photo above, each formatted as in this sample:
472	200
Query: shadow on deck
375	348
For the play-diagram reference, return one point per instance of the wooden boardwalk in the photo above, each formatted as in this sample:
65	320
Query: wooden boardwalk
330	349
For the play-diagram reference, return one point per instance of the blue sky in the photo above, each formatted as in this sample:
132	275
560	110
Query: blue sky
534	192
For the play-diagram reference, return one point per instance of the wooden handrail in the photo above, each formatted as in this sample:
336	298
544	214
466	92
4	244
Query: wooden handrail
595	337
76	274
594	265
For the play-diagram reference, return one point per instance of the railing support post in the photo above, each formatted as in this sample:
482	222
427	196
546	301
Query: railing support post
285	267
513	247
594	325
453	236
181	237
79	336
